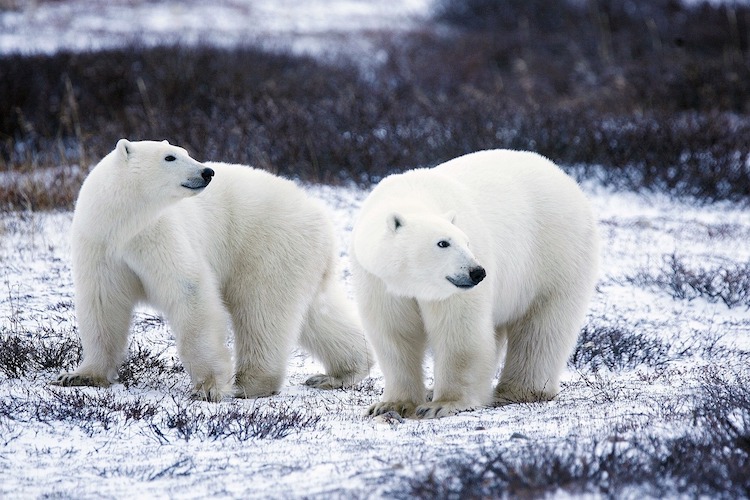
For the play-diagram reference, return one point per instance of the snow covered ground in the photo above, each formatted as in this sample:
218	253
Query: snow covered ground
317	26
336	451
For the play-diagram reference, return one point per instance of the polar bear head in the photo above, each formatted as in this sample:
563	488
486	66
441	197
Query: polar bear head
159	170
422	256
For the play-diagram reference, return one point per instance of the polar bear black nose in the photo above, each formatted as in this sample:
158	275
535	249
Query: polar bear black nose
477	274
207	174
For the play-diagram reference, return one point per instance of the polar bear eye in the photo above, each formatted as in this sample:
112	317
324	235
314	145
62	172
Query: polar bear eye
443	244
169	158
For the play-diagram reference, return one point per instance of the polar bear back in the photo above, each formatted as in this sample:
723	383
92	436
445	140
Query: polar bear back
522	179
250	212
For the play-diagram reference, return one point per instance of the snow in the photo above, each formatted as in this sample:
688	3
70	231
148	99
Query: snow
346	453
302	26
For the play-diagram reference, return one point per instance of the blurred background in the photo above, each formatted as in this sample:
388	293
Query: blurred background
639	94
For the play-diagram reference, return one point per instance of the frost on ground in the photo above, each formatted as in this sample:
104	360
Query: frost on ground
655	400
302	26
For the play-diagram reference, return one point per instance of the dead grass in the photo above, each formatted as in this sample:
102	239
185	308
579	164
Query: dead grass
725	283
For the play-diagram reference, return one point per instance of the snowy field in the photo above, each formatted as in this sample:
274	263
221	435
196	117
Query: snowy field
132	440
318	26
667	339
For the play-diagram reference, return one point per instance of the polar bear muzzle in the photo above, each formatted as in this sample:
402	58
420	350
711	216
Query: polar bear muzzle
199	183
475	276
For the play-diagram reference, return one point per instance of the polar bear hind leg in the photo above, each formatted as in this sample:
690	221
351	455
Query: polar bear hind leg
265	328
538	346
333	334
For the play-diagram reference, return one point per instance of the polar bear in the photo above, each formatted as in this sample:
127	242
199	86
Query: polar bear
492	252
209	245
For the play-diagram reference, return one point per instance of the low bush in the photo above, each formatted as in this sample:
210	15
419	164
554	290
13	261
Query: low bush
727	283
188	420
709	459
91	412
615	347
145	367
22	354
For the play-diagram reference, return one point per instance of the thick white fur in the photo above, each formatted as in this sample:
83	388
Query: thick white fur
528	225
251	250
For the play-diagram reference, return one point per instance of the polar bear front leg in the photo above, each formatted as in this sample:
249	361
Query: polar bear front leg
461	336
104	304
265	331
396	332
400	354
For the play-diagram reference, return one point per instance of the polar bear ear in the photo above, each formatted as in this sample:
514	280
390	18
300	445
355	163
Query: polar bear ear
395	221
124	148
450	216
165	142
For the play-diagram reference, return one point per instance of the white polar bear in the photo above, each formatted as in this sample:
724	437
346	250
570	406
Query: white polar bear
250	243
421	248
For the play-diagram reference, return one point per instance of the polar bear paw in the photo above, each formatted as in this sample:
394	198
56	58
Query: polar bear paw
73	379
249	386
325	381
210	390
438	409
210	394
403	408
